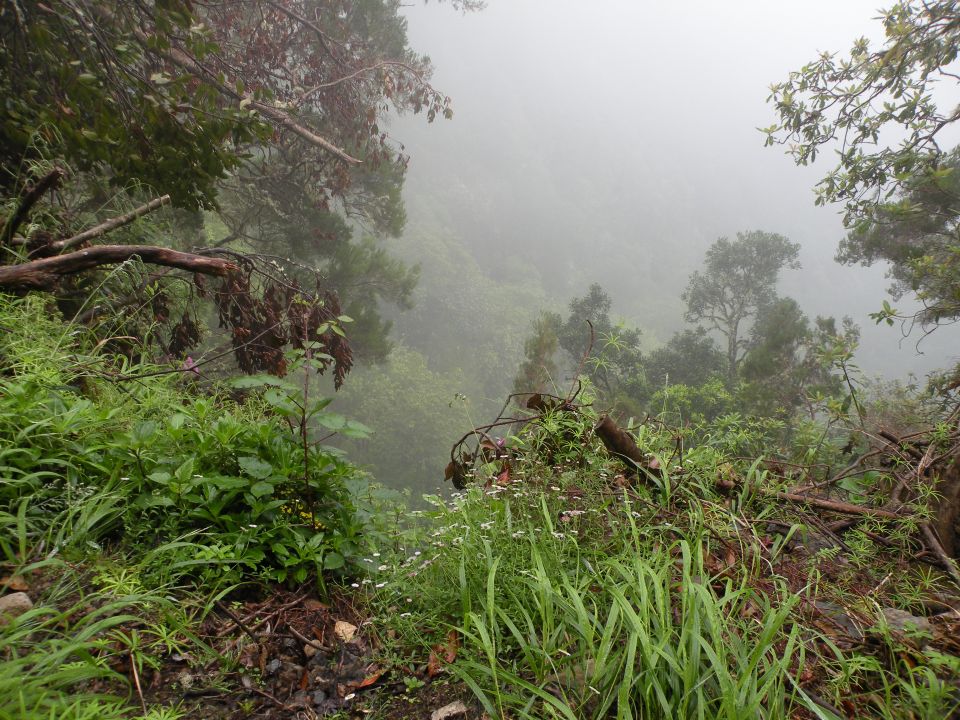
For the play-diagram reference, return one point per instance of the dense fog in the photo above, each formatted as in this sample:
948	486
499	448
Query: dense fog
613	142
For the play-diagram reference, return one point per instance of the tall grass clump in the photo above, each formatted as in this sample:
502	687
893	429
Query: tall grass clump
573	600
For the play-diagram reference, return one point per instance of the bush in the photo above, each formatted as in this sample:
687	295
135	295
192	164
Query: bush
164	461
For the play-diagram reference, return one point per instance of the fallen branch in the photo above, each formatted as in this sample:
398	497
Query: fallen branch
836	506
239	623
934	542
185	62
620	444
43	274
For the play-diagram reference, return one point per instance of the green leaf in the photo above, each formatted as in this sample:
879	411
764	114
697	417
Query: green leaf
255	381
160	477
332	421
281	401
261	489
255	467
354	429
226	482
142	432
333	561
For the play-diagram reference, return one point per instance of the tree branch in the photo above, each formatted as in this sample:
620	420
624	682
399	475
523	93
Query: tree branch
107	226
28	198
185	62
43	274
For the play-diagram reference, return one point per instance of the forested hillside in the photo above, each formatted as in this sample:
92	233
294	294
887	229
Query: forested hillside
327	394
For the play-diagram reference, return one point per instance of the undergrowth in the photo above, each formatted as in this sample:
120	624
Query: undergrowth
134	502
131	501
572	593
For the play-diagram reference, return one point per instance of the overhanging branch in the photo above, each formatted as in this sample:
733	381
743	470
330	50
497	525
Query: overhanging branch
43	274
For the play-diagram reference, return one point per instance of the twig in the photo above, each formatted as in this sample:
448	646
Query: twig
136	683
305	640
260	623
840	507
240	624
270	697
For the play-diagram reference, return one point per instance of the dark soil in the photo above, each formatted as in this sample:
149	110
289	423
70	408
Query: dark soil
286	656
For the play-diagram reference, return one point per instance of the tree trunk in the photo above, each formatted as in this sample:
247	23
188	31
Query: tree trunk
732	342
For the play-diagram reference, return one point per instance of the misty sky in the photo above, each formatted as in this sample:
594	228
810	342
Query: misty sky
642	116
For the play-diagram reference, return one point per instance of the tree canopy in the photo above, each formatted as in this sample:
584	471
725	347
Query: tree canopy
269	113
739	278
878	106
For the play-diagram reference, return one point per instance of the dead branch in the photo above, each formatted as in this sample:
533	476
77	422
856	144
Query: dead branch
840	507
187	63
104	227
28	198
934	542
620	444
45	273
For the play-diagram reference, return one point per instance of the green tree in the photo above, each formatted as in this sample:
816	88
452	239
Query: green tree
851	101
919	235
615	355
773	370
538	372
286	98
690	357
738	279
886	110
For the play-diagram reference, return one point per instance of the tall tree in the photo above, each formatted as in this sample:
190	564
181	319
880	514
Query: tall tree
919	235
773	369
851	101
738	279
690	357
538	372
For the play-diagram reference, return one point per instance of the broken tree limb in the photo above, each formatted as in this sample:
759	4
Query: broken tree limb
43	274
840	507
28	198
937	547
106	226
618	442
621	445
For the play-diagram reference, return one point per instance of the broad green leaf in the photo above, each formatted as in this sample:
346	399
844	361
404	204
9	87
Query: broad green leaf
261	489
255	467
333	561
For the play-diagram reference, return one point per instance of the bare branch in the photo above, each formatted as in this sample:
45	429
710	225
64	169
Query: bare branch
28	198
43	274
107	226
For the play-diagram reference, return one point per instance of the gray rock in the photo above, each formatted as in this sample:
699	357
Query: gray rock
453	710
839	617
903	623
13	605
